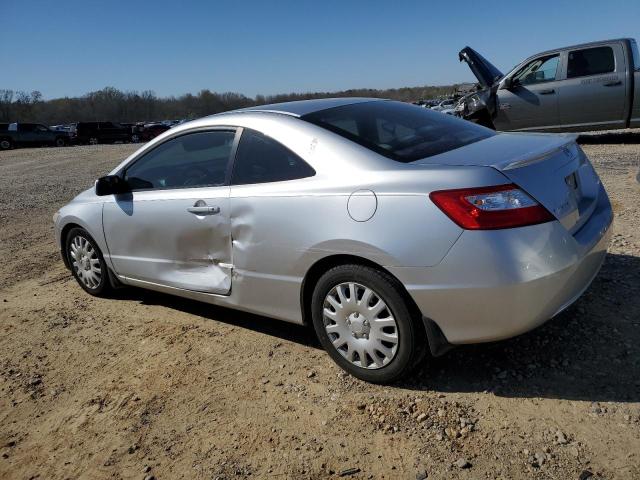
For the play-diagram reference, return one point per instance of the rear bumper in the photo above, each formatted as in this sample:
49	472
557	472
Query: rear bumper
497	284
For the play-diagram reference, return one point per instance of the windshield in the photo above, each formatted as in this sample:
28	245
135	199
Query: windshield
397	130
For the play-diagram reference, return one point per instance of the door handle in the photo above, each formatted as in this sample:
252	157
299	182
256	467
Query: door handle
612	84
206	210
547	92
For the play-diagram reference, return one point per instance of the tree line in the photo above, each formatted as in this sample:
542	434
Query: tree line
111	104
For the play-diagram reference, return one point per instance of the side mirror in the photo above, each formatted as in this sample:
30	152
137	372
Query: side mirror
111	185
508	84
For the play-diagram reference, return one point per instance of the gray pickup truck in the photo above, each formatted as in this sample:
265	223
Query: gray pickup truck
593	86
30	134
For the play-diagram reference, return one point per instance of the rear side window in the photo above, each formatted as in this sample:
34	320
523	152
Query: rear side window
397	130
261	159
636	56
590	61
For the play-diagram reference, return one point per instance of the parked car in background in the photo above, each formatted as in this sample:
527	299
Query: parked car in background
592	86
102	132
31	134
390	228
445	104
150	131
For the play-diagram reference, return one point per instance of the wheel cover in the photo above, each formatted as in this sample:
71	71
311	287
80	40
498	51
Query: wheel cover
85	262
360	325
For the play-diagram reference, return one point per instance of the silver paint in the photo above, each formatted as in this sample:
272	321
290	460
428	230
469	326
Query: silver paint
254	254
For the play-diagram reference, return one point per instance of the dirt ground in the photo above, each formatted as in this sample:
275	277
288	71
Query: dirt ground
151	385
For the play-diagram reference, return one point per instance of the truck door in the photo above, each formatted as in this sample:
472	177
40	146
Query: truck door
593	92
531	101
27	133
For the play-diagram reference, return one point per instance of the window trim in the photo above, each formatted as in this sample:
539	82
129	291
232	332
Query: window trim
235	158
613	54
234	147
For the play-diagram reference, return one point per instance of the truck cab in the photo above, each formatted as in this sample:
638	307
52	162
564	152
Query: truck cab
594	86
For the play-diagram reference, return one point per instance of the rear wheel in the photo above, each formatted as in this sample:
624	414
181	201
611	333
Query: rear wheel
60	142
364	323
93	141
5	144
87	263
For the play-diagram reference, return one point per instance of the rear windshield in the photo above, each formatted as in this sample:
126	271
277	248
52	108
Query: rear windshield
397	130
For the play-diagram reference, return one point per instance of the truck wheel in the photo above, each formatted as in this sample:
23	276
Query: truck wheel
135	138
5	144
93	141
60	142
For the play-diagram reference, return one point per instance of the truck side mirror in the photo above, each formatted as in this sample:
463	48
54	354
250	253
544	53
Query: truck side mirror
111	185
507	84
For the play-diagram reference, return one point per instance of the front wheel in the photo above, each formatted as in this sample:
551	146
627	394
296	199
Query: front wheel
93	141
5	144
87	263
365	324
60	142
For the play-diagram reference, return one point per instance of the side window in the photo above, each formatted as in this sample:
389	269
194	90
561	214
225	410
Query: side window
388	132
261	159
192	160
537	71
590	61
636	56
26	127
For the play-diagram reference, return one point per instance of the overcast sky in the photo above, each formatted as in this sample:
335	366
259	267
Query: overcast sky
70	47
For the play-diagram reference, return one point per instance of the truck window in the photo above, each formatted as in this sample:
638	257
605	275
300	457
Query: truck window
590	61
636	56
540	70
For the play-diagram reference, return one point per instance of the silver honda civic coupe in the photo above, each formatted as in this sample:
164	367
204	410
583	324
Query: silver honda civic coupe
392	229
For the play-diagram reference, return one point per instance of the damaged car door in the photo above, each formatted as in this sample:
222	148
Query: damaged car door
171	226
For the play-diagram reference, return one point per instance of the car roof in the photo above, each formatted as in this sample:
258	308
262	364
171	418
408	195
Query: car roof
583	45
304	107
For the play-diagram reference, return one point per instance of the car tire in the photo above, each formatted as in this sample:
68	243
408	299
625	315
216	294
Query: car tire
60	142
135	138
93	141
6	144
391	340
87	263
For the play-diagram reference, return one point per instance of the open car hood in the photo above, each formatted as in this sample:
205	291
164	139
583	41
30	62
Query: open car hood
484	70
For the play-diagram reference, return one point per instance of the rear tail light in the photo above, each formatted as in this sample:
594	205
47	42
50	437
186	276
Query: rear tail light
490	208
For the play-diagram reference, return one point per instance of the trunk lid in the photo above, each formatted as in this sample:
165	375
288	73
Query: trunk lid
486	73
553	169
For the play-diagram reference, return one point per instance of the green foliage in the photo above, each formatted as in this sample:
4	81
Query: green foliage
114	105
